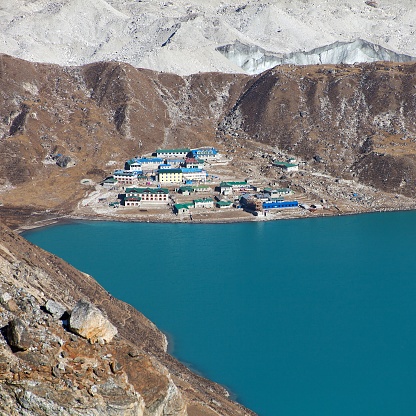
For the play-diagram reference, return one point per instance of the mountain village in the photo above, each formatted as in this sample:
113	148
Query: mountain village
186	181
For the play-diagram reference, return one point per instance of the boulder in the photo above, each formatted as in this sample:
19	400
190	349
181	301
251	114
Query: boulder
55	309
18	335
62	161
88	321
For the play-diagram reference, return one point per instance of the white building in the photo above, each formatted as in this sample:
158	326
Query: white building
193	174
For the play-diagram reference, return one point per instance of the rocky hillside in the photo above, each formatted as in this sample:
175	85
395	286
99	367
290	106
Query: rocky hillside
62	356
355	121
62	125
95	117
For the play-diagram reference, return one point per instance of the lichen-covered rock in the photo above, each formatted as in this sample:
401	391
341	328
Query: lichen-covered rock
18	336
62	161
55	309
88	321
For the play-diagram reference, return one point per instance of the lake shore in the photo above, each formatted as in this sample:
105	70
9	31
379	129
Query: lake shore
234	216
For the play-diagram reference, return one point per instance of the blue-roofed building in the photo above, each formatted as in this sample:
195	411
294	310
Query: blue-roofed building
194	174
149	164
165	166
280	204
125	177
204	153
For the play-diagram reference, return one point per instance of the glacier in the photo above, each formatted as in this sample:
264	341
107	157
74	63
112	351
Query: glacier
254	59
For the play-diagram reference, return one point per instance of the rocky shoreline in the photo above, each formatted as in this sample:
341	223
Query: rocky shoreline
300	214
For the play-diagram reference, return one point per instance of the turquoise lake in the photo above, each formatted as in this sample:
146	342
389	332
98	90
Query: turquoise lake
296	318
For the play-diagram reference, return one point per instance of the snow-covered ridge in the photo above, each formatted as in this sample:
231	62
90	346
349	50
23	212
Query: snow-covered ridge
253	59
182	36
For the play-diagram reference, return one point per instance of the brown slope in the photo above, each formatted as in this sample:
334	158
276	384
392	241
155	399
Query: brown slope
95	114
357	119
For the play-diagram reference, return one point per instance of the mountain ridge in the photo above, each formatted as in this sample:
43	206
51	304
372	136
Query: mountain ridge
182	36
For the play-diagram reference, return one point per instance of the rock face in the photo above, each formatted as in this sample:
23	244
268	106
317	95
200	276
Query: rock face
46	369
89	322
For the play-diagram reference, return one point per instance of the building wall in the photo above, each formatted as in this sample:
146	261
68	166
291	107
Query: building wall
170	177
154	197
195	176
205	204
280	204
172	154
132	203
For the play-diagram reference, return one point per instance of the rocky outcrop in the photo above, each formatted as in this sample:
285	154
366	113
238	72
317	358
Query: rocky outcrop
62	161
89	322
18	122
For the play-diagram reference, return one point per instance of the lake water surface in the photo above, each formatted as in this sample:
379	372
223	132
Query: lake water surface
296	318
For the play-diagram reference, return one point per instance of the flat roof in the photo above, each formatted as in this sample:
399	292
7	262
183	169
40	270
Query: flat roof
204	200
285	164
224	203
183	205
170	171
183	150
231	183
148	190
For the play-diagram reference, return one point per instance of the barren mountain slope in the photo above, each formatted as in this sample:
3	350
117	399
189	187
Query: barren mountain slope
99	115
52	371
357	121
181	36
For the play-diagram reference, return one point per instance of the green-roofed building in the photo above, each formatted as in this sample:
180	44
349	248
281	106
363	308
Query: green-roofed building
182	208
278	193
204	203
202	188
223	204
186	190
149	194
288	167
230	186
109	182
